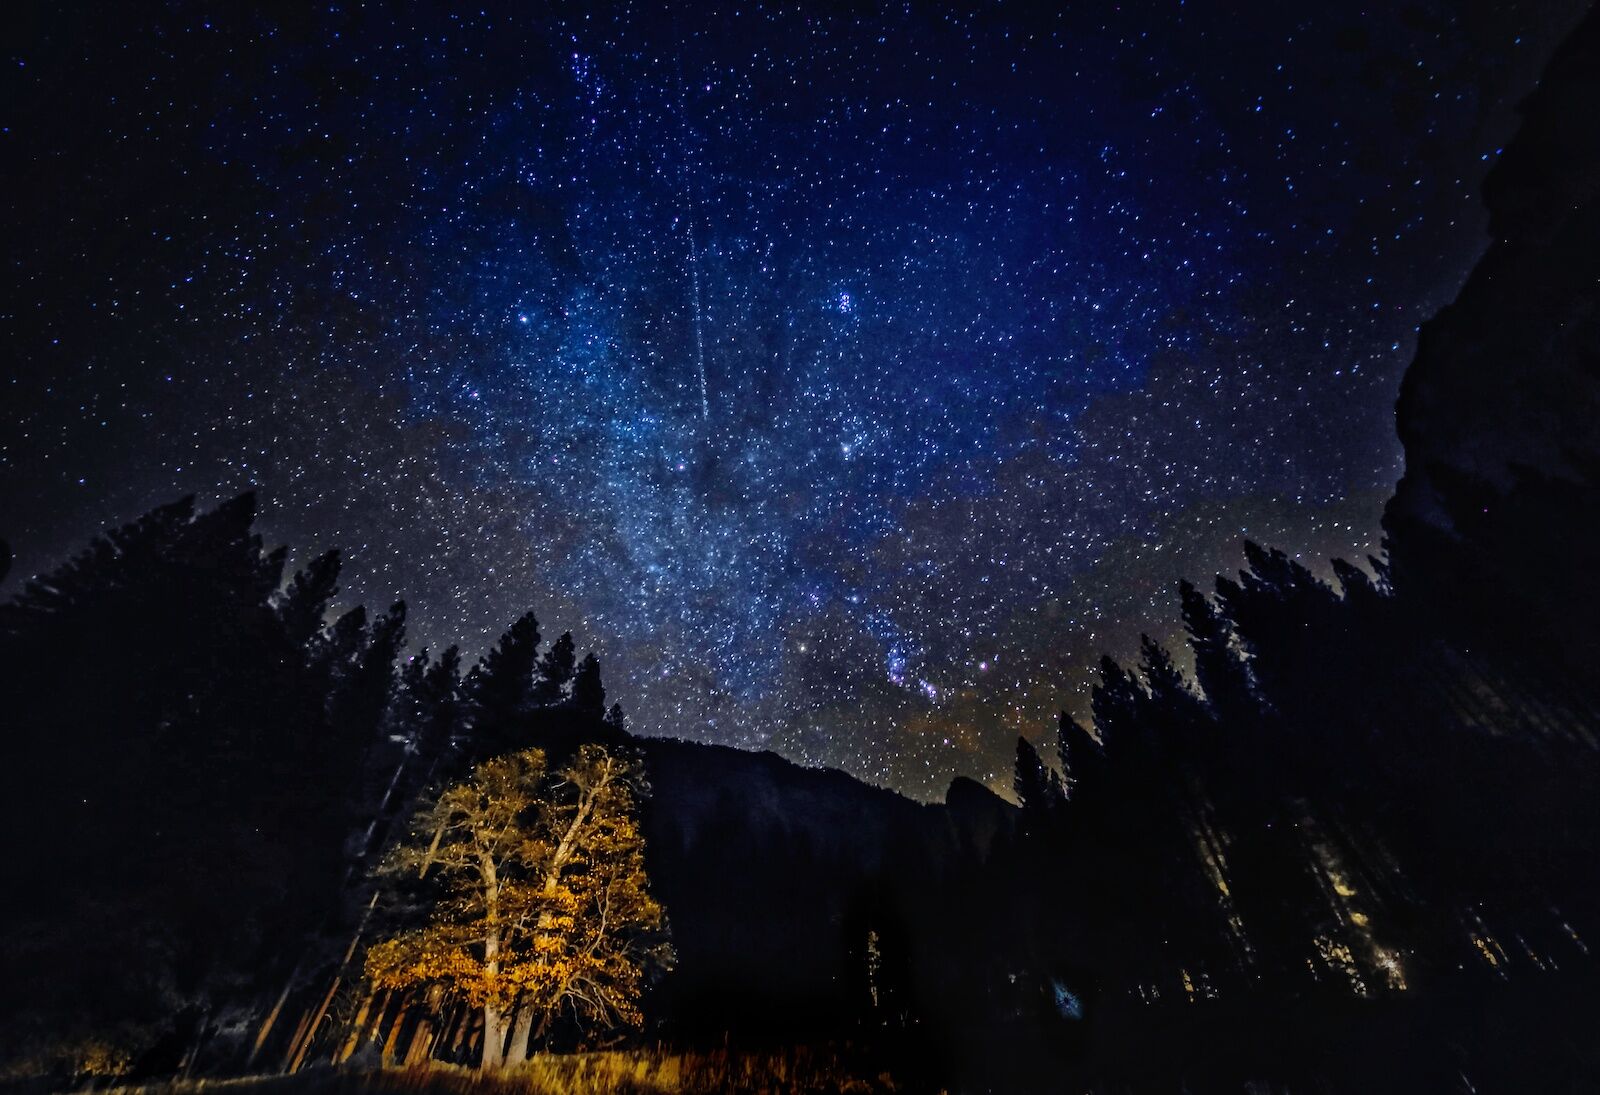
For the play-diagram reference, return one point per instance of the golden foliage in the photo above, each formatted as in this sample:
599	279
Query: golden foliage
104	1055
543	901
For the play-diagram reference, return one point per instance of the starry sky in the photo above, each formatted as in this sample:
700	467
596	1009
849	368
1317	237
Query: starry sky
849	377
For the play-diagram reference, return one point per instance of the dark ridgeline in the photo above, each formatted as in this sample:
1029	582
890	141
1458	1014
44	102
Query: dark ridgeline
1353	849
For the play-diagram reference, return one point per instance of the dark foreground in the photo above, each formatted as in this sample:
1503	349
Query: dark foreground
1537	1036
606	1073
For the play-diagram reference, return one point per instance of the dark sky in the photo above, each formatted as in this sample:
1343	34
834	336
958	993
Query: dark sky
849	380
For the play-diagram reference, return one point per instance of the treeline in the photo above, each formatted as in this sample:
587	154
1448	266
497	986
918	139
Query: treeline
1385	785
201	765
1349	795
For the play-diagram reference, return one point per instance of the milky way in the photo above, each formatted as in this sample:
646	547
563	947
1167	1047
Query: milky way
850	383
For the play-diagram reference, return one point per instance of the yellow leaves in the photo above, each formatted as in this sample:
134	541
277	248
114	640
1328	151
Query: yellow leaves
551	867
423	957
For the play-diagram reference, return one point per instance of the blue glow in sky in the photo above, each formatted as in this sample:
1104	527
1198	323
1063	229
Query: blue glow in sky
850	382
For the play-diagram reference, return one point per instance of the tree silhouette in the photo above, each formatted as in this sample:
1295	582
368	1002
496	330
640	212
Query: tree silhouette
1081	758
1038	789
303	605
556	670
162	705
588	692
1219	668
500	688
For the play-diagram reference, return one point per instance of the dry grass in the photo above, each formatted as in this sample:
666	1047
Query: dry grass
637	1072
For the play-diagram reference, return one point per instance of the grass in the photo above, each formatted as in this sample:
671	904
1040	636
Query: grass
636	1072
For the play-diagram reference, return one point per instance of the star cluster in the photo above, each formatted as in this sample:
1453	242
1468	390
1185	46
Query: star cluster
850	381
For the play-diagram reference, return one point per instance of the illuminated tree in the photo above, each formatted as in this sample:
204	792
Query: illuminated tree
542	908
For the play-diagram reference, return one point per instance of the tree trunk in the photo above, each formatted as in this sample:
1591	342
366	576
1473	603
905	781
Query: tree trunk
392	1041
456	1034
494	1020
272	1018
358	1029
294	1040
297	1054
187	1068
494	1037
433	850
424	1036
521	1034
525	1032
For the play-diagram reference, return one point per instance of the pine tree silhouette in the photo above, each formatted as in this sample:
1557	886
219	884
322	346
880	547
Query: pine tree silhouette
1220	670
1038	789
555	672
304	603
499	689
588	693
1082	760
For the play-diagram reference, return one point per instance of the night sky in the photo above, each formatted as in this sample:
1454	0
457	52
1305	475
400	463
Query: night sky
848	381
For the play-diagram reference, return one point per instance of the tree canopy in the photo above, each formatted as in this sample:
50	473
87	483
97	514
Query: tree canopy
541	909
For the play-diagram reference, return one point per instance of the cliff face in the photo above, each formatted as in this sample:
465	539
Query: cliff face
1507	375
1499	413
772	874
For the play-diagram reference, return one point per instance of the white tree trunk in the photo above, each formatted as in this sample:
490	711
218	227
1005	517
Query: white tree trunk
521	1033
494	1037
494	1021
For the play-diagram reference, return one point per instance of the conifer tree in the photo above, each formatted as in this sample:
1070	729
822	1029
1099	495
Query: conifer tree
588	692
162	706
1173	714
404	713
1219	668
556	670
426	712
302	605
1161	676
363	689
335	650
438	703
1038	789
1082	760
1116	703
499	689
1357	584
